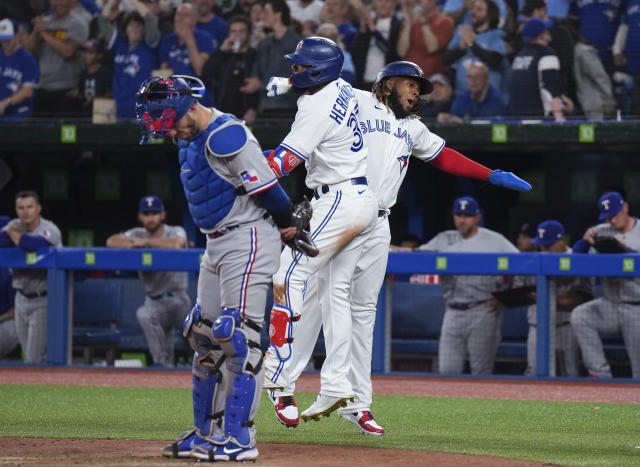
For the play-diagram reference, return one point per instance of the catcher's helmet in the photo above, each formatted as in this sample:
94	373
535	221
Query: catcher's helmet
323	57
408	69
161	102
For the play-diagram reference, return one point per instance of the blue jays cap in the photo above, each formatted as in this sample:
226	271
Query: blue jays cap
466	205
549	232
7	29
150	204
610	204
534	27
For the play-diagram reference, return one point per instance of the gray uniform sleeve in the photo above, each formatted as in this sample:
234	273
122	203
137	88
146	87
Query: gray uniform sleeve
251	170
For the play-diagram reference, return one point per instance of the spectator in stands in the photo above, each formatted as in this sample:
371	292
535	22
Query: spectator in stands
208	21
439	101
166	302
330	31
258	33
562	42
8	333
375	43
524	237
134	53
473	318
535	86
95	78
270	61
460	11
599	23
186	50
569	293
30	231
55	40
627	52
617	310
228	68
19	74
480	41
84	10
424	39
480	100
338	12
593	85
306	11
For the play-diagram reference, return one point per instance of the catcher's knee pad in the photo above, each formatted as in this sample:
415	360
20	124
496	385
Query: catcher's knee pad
208	390
281	330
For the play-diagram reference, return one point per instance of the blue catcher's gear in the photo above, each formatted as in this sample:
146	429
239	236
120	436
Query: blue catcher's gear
207	392
244	360
508	180
408	69
323	57
161	102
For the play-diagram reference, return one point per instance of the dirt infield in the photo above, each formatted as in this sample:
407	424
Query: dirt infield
29	451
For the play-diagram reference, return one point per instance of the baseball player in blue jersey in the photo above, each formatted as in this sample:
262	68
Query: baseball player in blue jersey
235	199
392	135
19	74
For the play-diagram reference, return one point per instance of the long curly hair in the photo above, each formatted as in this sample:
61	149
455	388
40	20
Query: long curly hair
384	95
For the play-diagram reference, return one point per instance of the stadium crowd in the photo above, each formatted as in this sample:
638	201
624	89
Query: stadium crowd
488	59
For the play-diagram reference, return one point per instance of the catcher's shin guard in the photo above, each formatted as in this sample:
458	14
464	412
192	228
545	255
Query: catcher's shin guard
244	361
208	389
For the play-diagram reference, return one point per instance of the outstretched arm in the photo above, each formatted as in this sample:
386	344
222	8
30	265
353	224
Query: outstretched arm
453	162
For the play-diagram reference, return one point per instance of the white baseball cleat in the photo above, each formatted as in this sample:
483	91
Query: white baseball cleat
323	406
364	420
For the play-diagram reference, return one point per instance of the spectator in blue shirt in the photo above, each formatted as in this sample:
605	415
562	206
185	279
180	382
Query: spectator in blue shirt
19	74
480	100
209	22
186	50
337	12
133	52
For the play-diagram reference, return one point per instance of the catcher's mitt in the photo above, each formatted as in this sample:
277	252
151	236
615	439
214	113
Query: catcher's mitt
301	215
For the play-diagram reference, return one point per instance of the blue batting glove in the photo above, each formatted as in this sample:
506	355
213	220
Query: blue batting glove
508	180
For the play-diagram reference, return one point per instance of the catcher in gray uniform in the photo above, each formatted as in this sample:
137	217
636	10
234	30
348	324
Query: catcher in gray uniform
618	310
166	302
29	232
473	318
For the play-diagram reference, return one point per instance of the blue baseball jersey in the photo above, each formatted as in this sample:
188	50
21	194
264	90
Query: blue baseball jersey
218	29
465	107
599	21
16	71
632	48
178	56
130	69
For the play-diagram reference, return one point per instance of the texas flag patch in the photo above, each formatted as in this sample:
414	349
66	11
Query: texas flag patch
248	177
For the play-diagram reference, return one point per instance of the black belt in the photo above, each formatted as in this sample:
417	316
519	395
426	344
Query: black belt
241	190
324	189
158	297
33	295
382	212
465	306
632	303
221	232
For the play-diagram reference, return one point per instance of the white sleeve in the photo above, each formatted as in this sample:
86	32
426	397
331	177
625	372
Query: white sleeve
308	129
426	145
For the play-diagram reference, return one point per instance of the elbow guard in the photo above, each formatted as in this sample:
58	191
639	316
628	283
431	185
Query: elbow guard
281	161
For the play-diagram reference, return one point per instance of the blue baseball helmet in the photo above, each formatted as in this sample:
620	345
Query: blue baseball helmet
408	69
323	57
161	102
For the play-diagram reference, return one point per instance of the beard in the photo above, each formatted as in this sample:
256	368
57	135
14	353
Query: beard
397	108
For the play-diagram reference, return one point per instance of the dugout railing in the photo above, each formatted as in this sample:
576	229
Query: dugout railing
62	262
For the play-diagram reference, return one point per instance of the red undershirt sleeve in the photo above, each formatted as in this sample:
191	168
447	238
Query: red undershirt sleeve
455	163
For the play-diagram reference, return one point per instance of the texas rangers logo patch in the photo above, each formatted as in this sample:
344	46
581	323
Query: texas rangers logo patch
248	177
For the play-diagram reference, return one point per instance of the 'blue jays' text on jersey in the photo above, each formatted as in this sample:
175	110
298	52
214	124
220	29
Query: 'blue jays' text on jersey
599	21
177	56
209	196
130	69
16	71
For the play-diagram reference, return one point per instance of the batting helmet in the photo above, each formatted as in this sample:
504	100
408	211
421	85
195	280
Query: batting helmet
323	57
161	102
408	69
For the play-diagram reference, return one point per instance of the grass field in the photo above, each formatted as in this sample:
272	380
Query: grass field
566	433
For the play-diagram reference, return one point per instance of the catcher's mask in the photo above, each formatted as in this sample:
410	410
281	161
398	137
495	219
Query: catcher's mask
161	102
323	57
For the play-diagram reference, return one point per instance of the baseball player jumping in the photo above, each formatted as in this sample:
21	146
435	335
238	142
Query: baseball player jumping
326	136
392	134
232	196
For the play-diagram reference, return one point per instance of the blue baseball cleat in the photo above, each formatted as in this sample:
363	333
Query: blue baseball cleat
230	451
181	447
